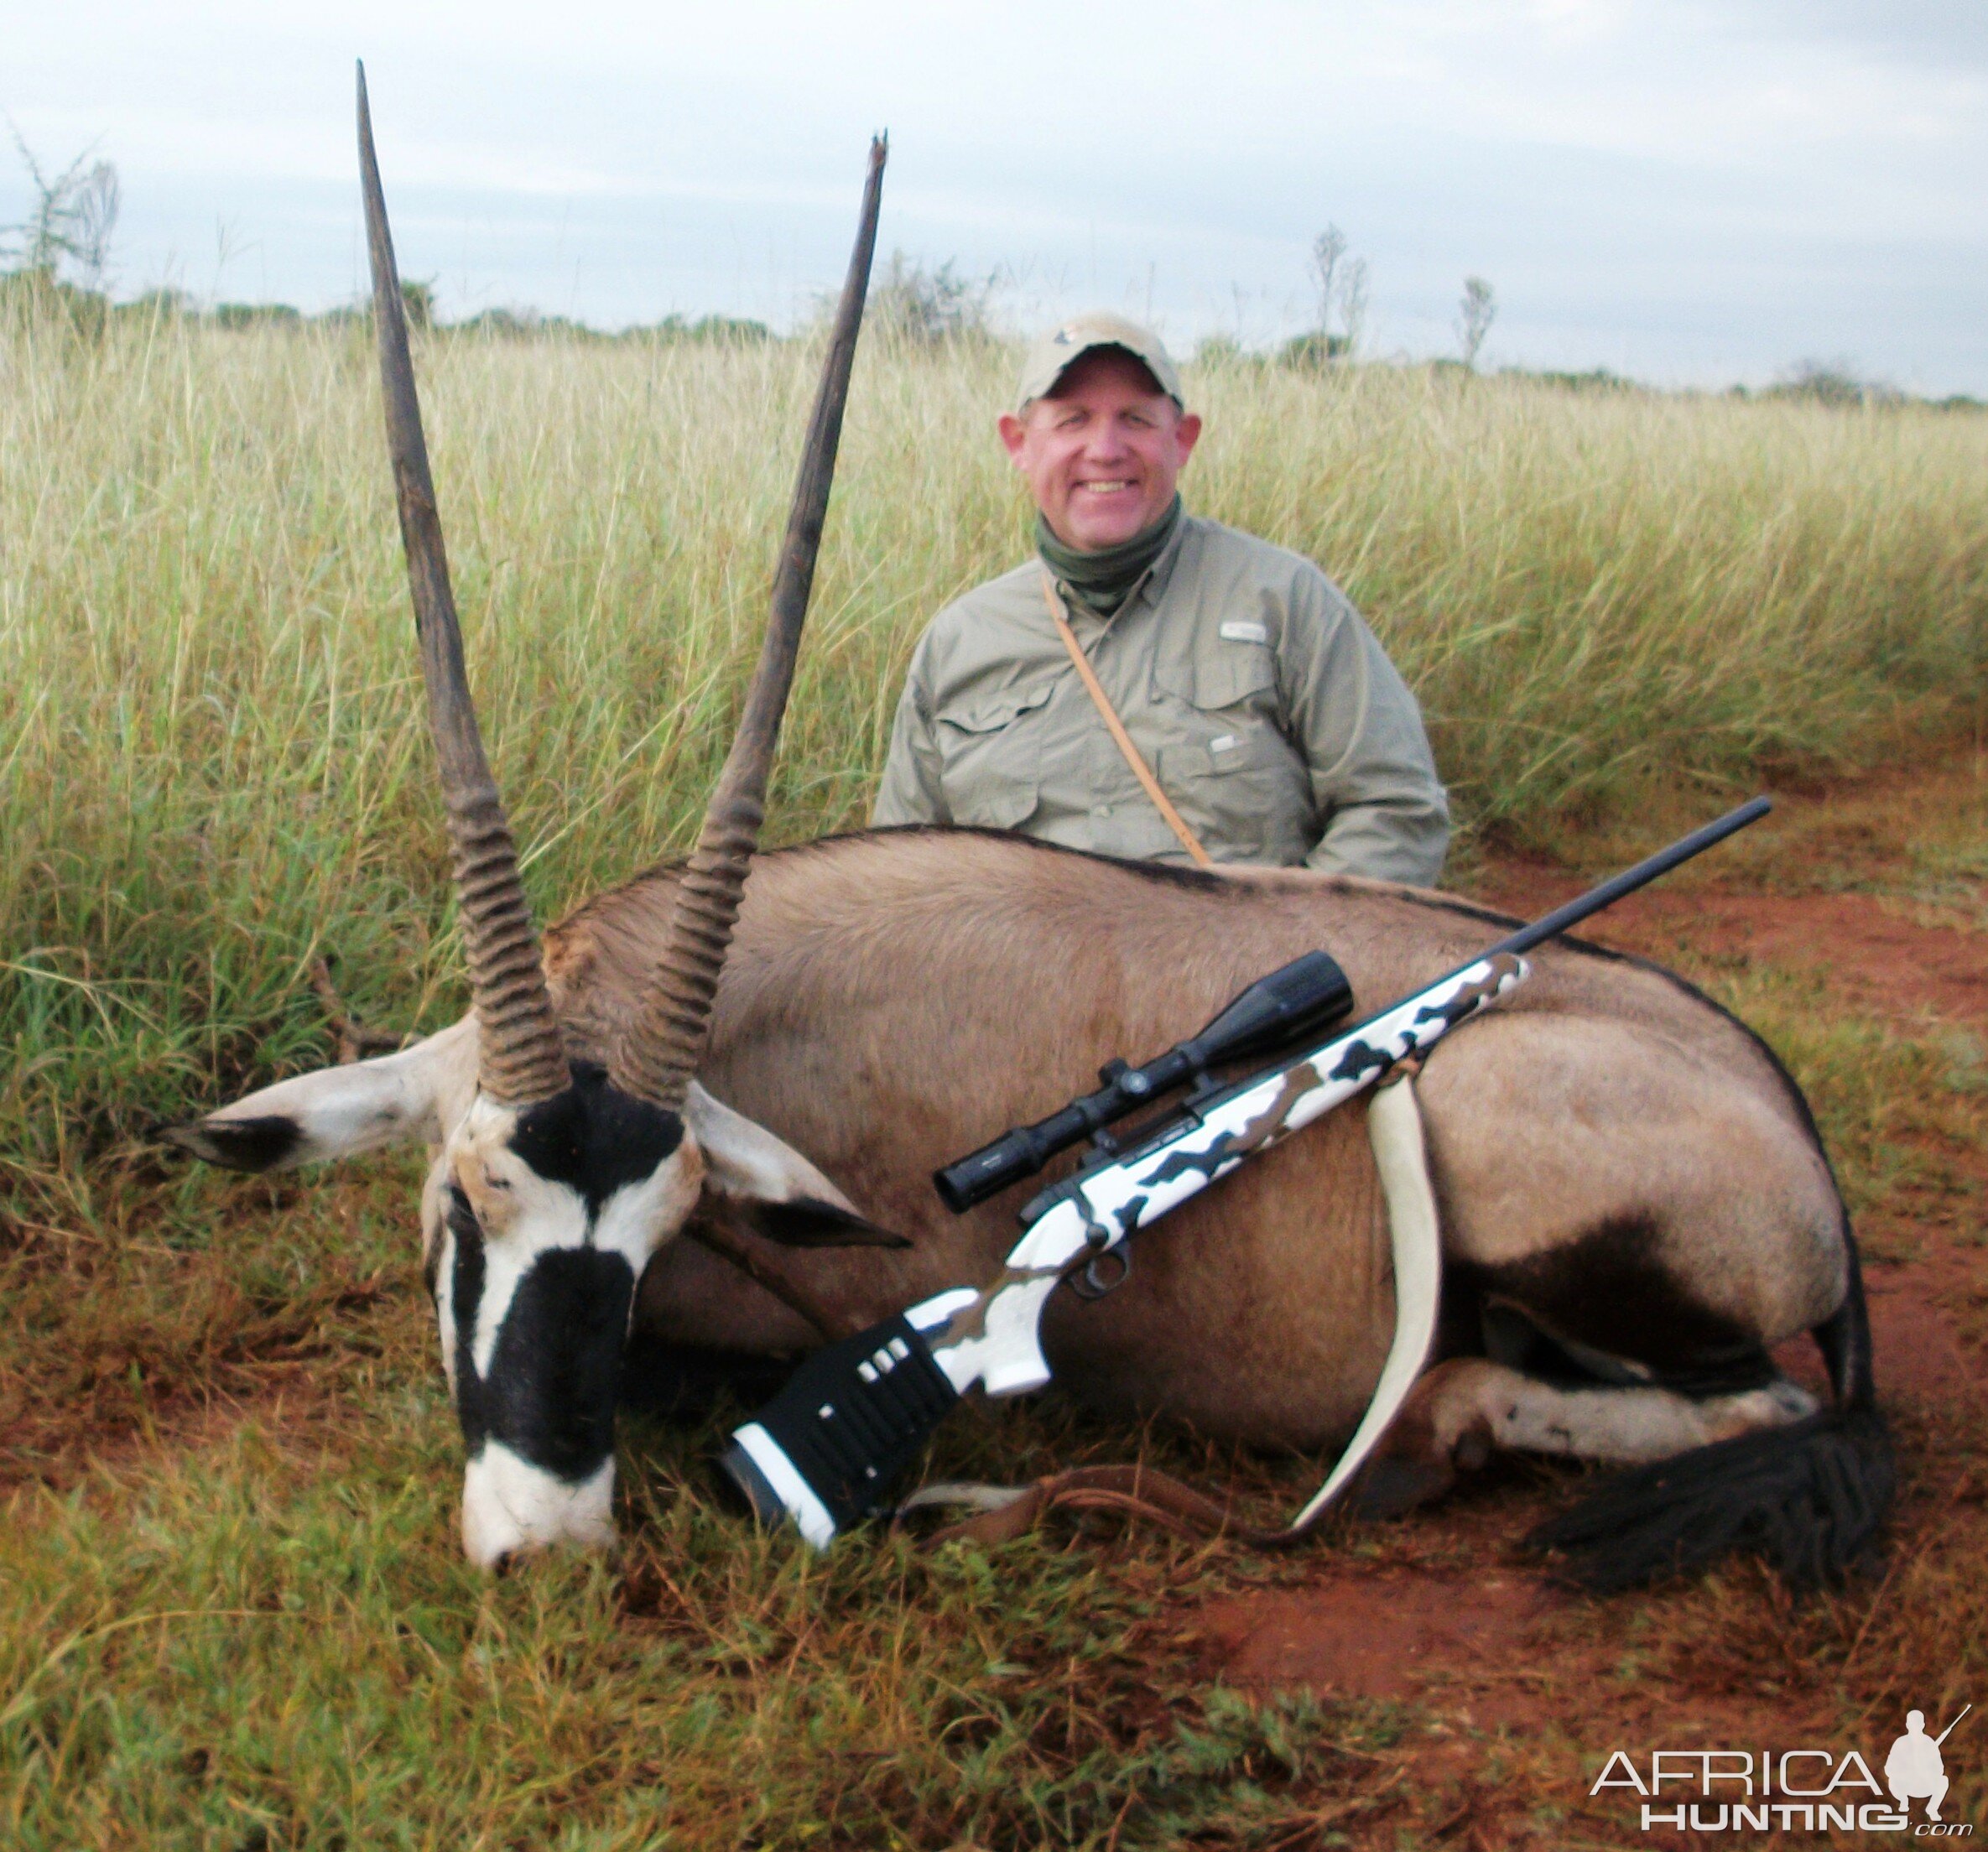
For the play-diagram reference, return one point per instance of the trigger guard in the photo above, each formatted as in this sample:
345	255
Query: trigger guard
1088	1283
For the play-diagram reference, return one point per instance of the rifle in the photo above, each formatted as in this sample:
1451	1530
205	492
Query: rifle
825	1453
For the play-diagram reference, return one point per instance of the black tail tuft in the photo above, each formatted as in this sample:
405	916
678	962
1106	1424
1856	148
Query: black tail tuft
1810	1498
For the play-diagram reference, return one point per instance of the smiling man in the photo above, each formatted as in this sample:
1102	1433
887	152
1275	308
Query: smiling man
1269	718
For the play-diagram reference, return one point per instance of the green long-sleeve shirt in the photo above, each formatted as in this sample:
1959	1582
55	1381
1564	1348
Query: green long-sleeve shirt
1266	710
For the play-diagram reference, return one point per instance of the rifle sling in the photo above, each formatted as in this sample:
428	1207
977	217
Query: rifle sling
1109	714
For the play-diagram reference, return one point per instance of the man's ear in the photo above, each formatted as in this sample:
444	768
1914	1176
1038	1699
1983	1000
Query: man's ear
1014	433
769	1186
1187	430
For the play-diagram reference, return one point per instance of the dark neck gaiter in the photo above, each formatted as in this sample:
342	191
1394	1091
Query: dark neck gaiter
1099	581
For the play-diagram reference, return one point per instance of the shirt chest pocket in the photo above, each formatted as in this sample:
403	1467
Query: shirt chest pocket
1238	780
1230	683
1244	791
1231	666
989	754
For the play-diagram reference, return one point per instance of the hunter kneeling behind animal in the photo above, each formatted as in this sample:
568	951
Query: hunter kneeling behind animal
1270	723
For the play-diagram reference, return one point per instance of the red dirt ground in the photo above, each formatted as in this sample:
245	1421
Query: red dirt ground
1457	1638
1877	960
1493	1649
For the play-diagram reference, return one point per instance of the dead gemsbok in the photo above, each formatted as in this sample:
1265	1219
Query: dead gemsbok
1634	1203
559	1178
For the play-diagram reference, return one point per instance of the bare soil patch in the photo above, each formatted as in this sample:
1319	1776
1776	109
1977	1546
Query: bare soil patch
1394	1634
1459	1638
121	1345
1868	949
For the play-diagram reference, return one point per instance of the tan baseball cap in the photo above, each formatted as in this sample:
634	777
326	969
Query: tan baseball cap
1065	344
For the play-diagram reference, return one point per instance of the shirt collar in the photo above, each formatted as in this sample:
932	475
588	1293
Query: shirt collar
1150	587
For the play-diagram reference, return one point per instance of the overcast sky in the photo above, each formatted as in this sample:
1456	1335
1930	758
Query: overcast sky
1691	193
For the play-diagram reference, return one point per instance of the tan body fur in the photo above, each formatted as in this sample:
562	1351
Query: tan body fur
893	1000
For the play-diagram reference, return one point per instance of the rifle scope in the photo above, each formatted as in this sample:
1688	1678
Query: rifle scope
1308	994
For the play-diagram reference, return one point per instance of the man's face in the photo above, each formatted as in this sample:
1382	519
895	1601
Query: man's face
1102	452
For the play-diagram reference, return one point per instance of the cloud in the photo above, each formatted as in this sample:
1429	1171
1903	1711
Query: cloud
1940	34
1801	176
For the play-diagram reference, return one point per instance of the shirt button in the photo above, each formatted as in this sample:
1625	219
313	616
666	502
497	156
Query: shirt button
1100	810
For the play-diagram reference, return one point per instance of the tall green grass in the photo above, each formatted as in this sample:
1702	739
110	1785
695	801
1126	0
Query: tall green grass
250	1627
212	765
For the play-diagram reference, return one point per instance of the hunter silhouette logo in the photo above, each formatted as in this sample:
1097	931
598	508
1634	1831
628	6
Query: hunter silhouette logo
1914	1770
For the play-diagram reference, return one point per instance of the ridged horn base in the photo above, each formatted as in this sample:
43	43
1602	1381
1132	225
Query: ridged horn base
521	1056
666	1041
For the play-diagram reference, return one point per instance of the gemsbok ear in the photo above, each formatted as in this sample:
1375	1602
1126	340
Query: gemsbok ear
810	1223
335	1112
770	1187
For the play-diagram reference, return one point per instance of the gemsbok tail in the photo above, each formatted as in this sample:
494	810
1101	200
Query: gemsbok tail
1809	1498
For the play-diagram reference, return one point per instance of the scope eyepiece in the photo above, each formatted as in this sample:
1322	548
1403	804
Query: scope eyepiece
1013	1155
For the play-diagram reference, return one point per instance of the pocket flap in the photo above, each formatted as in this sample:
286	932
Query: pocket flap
1209	759
995	711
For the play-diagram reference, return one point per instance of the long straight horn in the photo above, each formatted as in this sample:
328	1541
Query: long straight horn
521	1058
667	1038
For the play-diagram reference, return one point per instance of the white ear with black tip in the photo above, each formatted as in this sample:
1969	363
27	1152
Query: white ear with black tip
336	1112
774	1189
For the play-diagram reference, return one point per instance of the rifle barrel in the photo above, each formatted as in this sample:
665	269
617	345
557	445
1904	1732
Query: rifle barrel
1612	890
